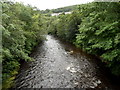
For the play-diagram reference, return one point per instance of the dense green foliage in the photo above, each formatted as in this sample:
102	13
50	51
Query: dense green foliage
94	27
65	26
22	29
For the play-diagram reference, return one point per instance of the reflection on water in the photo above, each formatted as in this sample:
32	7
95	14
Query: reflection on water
59	65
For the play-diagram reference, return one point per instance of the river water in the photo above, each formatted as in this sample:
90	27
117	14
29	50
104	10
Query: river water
60	65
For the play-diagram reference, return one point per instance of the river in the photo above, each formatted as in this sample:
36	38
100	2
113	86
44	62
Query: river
60	65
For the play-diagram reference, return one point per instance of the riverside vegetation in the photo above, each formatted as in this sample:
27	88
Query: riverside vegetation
22	30
93	27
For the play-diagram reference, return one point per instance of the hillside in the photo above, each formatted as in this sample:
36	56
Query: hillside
59	10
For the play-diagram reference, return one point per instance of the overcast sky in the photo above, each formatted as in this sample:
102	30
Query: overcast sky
51	4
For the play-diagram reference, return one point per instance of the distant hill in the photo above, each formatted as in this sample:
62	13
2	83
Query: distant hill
60	10
65	9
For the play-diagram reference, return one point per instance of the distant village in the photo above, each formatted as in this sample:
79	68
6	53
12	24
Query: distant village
56	14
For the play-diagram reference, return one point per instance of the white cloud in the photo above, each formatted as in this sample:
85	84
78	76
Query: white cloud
50	4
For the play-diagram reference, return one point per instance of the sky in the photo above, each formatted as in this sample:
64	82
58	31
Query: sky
51	4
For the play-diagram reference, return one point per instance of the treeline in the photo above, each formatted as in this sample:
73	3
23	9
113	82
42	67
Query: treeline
65	9
94	27
59	10
22	29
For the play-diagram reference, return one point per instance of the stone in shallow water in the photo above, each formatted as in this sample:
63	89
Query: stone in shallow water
92	87
73	70
68	68
99	82
95	84
76	83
